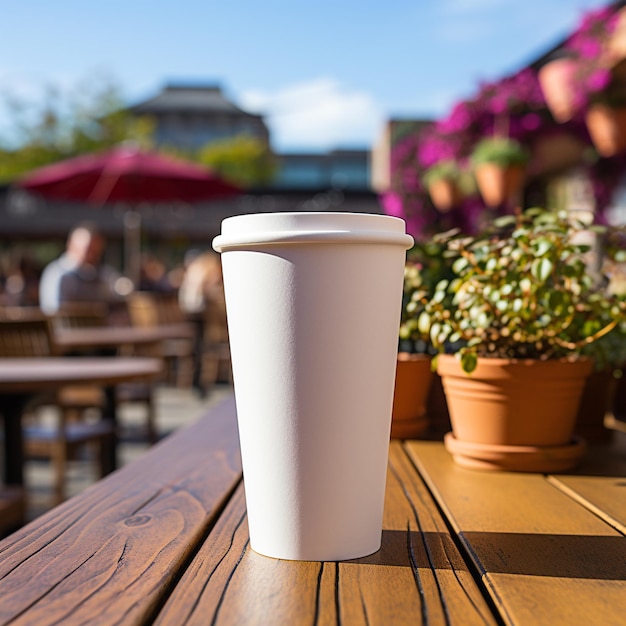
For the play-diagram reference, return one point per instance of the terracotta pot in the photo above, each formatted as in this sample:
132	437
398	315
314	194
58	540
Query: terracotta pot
514	414
556	79
497	183
616	45
607	128
444	194
413	378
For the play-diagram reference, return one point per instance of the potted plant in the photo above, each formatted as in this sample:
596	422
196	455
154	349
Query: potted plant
606	122
499	164
511	327
556	78
442	182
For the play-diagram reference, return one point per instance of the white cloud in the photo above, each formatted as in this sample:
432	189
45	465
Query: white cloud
318	114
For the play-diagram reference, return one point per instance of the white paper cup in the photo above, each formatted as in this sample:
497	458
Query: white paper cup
313	304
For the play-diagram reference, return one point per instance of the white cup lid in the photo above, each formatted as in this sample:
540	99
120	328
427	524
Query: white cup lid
267	229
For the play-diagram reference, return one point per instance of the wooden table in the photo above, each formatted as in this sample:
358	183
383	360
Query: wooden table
22	378
113	337
164	541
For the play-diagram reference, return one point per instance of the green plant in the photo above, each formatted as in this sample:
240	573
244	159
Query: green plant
609	352
522	289
443	170
500	150
425	268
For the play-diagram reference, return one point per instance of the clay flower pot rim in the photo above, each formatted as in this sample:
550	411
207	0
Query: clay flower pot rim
489	367
528	361
413	356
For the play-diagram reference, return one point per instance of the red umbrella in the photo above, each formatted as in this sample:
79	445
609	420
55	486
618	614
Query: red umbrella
127	174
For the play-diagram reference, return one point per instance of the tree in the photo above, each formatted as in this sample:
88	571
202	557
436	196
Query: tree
243	160
91	117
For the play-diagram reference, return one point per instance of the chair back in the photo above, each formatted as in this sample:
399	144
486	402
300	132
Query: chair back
154	309
80	315
25	338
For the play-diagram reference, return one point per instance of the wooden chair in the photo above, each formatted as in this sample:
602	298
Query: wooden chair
61	443
149	309
80	315
85	315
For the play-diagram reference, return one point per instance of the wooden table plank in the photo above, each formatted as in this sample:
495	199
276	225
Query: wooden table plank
544	557
110	555
604	495
598	485
35	374
417	577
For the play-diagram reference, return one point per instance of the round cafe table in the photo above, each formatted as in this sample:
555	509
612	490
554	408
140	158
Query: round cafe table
23	378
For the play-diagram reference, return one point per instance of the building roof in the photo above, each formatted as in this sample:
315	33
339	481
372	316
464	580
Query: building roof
189	99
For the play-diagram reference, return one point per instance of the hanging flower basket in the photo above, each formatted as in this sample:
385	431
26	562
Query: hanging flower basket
557	84
499	183
616	46
607	128
444	194
499	166
442	182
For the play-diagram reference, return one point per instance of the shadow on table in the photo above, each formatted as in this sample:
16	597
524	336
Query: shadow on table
558	556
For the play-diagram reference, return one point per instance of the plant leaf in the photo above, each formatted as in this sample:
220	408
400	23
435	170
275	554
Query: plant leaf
541	269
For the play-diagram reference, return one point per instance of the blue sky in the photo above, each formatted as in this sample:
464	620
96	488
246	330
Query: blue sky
326	73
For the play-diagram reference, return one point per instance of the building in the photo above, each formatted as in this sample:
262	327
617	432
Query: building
188	116
337	169
392	132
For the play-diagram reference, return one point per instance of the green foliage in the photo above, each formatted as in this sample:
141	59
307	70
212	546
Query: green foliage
522	289
243	160
444	170
500	150
426	266
90	118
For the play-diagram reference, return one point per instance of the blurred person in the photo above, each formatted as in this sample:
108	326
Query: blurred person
202	282
78	275
201	296
153	275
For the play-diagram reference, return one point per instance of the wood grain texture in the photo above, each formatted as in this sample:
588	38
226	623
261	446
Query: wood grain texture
110	555
544	557
600	483
418	576
603	495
